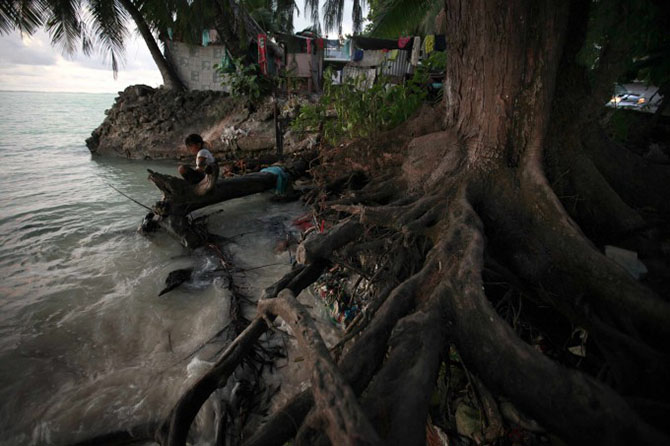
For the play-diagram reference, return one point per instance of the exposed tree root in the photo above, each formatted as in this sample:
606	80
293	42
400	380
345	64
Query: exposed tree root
563	400
480	184
416	346
319	248
624	169
175	429
548	248
599	207
334	399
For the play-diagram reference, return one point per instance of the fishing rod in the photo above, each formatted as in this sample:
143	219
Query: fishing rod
130	198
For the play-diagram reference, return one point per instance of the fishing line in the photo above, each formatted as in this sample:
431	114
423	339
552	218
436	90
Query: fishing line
130	198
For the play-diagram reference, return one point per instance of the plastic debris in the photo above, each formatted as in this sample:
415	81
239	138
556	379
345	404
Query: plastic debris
331	288
627	259
580	349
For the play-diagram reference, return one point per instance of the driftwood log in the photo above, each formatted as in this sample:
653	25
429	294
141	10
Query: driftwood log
180	198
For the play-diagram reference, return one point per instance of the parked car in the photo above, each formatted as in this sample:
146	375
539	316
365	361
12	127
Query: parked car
636	97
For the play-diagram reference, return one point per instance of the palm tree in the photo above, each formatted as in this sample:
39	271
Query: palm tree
333	14
170	77
89	24
272	15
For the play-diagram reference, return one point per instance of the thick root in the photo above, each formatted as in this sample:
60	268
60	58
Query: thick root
567	402
639	182
534	233
409	373
599	209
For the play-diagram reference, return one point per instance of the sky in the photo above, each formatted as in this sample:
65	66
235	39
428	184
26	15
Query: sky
30	63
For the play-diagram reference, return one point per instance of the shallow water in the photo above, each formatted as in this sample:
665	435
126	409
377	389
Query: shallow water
85	342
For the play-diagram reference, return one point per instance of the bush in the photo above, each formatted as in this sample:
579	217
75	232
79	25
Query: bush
244	80
358	111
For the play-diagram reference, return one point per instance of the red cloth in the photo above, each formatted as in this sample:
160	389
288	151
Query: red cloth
309	46
403	41
319	43
262	53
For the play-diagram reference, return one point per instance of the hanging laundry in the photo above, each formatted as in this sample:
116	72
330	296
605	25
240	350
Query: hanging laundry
205	37
440	42
429	44
309	46
169	31
358	55
319	43
393	55
416	51
262	53
227	65
403	41
213	36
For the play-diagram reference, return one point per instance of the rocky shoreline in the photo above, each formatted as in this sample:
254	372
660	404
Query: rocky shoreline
151	123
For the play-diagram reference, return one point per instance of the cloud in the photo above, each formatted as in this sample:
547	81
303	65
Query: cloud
33	64
17	51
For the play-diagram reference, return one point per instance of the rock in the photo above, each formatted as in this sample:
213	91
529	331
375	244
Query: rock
256	143
147	122
176	278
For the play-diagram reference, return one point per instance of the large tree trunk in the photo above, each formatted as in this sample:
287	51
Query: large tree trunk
170	77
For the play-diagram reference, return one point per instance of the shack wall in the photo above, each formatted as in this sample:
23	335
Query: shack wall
194	64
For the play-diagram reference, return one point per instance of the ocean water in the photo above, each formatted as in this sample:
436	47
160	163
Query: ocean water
86	344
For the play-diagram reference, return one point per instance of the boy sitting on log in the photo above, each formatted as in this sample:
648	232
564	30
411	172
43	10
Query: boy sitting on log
204	160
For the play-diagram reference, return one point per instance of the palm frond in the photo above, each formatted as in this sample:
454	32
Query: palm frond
24	15
333	12
284	10
63	23
192	17
312	7
109	20
357	16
